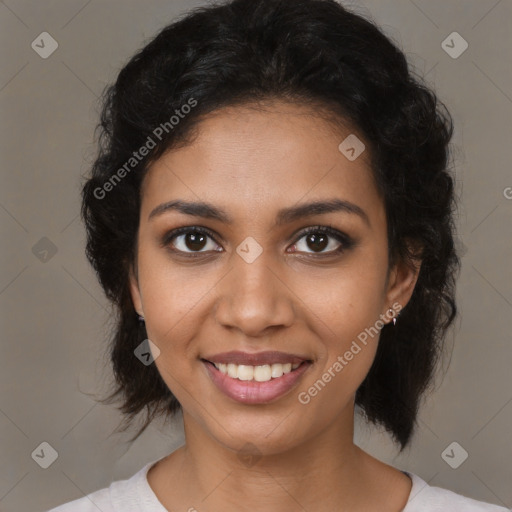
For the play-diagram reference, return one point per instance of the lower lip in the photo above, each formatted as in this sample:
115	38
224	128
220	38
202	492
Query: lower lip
253	392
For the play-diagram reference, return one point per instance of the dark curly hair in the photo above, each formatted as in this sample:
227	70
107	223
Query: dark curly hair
310	52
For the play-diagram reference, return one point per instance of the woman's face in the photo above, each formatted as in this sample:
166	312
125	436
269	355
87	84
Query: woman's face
252	288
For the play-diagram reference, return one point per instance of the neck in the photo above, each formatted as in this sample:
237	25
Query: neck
325	472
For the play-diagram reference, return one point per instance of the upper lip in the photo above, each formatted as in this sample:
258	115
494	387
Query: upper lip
255	358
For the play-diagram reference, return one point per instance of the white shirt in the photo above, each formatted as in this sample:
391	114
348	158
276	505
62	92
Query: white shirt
135	495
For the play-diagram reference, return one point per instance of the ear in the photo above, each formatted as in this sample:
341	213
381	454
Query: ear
401	282
135	292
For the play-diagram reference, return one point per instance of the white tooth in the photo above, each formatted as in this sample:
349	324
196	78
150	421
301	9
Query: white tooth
245	372
277	370
233	370
262	373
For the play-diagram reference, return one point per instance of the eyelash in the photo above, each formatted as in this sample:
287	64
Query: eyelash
345	241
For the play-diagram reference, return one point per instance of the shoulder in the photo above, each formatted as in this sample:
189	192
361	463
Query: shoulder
90	503
424	498
133	493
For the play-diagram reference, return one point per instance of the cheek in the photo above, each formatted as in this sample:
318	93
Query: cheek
171	299
349	341
348	306
349	300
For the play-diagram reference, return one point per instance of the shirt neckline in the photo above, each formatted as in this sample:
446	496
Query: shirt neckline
151	502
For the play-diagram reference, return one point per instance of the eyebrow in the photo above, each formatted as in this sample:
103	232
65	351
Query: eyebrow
285	215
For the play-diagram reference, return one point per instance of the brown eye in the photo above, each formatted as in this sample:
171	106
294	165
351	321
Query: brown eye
190	240
322	240
317	241
195	241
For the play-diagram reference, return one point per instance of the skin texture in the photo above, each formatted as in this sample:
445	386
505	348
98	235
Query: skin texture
251	163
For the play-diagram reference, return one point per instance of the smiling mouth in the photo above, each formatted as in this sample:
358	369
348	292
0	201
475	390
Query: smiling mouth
261	373
256	384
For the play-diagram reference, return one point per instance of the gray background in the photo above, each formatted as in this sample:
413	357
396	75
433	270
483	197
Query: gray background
55	318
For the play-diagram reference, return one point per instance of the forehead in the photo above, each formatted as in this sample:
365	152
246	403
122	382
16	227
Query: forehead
250	160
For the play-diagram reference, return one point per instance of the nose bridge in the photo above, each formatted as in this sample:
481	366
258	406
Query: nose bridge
252	296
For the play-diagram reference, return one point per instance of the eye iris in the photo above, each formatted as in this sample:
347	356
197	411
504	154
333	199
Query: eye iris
319	241
193	237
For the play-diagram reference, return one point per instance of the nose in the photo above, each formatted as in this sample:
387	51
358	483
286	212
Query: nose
253	298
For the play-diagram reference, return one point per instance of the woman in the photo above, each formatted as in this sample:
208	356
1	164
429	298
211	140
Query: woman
271	213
